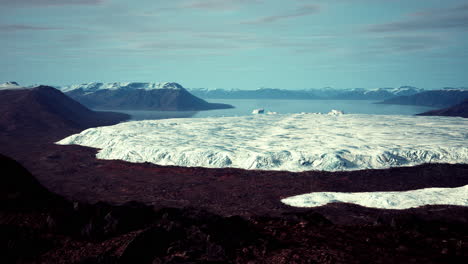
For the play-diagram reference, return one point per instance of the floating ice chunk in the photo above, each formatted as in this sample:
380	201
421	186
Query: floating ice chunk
258	111
335	112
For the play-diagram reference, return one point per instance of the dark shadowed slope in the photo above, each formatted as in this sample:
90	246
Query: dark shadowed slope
456	110
20	190
38	226
45	109
437	98
137	96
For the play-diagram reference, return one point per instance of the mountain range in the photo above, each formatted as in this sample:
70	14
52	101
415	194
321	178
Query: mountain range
324	93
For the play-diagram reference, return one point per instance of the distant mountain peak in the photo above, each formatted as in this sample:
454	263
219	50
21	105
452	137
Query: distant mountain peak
10	85
95	86
165	96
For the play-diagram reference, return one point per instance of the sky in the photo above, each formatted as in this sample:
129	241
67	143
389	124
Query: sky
242	44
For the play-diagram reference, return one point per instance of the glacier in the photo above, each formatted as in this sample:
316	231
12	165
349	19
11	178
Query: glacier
292	142
385	200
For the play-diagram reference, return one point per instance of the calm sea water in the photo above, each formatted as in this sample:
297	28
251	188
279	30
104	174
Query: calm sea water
245	107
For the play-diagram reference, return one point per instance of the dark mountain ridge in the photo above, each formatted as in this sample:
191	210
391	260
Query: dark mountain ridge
460	110
44	109
435	98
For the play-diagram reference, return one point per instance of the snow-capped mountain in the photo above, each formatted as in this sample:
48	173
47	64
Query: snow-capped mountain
323	93
95	86
10	85
295	142
168	96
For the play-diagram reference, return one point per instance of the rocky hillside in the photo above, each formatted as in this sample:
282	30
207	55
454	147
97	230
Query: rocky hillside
37	226
44	109
456	110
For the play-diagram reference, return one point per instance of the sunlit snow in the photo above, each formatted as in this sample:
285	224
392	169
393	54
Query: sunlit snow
385	200
295	142
11	86
97	86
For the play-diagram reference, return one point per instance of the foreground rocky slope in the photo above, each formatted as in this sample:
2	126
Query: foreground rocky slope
138	96
37	226
460	110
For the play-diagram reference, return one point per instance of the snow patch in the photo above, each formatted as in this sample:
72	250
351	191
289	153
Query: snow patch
293	142
385	200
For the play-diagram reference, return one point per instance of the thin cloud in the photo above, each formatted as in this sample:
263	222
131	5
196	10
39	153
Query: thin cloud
455	18
194	46
303	11
38	3
217	5
14	28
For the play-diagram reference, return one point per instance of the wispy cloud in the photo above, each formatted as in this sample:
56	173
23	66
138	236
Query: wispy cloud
13	28
409	43
23	3
216	5
302	11
440	19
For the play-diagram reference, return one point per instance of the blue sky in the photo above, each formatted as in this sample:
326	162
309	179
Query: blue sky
245	44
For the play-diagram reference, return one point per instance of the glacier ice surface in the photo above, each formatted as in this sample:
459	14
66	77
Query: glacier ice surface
293	142
385	200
